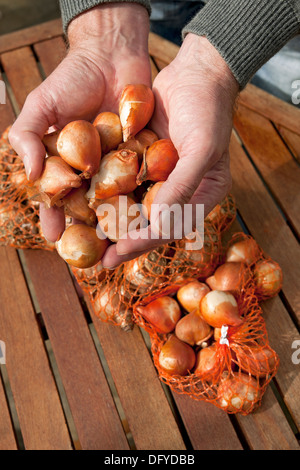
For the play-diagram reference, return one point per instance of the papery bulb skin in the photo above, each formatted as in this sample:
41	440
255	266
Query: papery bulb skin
135	109
220	308
163	313
116	175
50	143
159	161
143	139
56	181
79	145
80	246
109	128
176	357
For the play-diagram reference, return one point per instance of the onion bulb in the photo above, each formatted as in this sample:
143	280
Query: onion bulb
207	362
116	175
159	160
79	145
238	393
257	360
163	313
229	277
135	109
118	215
149	198
219	308
109	128
267	278
245	251
80	246
50	142
55	182
76	205
190	295
176	357
193	330
140	142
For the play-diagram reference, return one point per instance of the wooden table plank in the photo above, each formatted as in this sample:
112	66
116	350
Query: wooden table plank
208	427
22	72
7	437
50	53
92	406
271	107
266	223
147	410
162	48
37	401
273	160
292	140
266	428
31	35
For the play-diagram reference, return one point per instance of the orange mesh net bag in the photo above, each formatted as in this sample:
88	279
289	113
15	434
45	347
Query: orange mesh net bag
113	294
229	366
266	273
19	217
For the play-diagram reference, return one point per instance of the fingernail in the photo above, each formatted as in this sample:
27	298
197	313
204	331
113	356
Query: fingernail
27	166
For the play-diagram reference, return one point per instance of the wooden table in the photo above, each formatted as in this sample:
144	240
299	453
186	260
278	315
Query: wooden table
72	382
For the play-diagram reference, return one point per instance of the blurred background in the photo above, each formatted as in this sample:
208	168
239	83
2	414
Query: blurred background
18	14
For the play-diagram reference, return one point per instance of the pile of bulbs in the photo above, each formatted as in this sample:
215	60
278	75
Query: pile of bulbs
187	329
89	164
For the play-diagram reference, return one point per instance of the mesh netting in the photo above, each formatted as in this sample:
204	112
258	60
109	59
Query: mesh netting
19	217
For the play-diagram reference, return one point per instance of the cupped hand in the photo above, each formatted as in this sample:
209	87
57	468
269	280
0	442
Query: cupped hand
195	97
106	53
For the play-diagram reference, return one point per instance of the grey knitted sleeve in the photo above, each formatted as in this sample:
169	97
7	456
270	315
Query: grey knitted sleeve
247	33
71	8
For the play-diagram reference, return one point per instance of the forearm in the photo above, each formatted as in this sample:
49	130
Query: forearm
70	9
247	32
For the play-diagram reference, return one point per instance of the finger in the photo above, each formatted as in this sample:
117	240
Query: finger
112	259
52	222
27	132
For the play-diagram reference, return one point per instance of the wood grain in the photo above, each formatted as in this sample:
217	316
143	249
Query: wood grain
271	107
30	35
273	160
292	140
92	406
37	401
7	437
50	53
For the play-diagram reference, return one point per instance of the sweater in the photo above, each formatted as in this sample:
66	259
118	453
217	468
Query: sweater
246	33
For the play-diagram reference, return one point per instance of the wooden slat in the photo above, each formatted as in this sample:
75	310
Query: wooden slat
92	406
7	438
208	427
37	401
267	428
292	140
162	48
273	160
269	106
30	35
145	405
266	223
22	72
50	53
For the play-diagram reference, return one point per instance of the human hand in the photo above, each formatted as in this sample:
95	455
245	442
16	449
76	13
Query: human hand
107	51
195	98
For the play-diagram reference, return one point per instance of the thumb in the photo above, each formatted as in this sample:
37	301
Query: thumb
168	211
27	132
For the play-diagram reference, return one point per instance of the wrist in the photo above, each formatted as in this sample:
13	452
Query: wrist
110	28
199	54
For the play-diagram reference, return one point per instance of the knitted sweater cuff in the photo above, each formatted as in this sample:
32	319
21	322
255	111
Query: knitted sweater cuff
72	8
247	33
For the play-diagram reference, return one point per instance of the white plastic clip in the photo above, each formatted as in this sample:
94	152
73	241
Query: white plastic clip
223	339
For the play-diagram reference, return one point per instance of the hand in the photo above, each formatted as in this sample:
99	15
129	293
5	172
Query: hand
195	98
107	51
